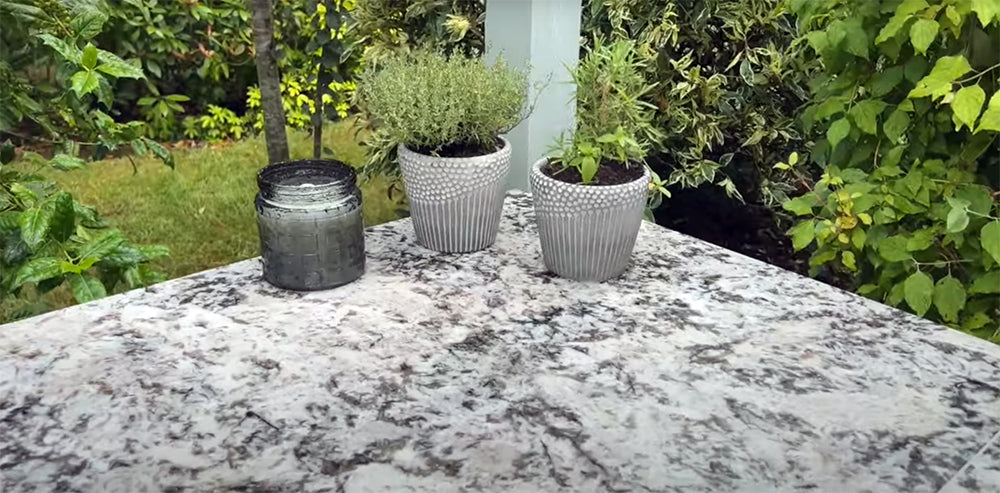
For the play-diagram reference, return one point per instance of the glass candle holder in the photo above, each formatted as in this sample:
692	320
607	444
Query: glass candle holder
309	220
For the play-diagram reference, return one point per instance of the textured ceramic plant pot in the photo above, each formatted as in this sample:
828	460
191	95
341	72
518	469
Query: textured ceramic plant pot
587	231
455	203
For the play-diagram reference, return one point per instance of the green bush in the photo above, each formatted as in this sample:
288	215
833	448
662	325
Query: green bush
47	239
727	85
203	51
429	100
388	27
905	117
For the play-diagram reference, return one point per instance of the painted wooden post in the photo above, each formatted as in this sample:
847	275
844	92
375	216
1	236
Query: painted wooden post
545	36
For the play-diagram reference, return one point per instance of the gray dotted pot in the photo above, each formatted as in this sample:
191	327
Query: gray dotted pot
455	203
587	231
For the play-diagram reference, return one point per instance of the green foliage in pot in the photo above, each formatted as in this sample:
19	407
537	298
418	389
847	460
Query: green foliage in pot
439	104
905	118
614	124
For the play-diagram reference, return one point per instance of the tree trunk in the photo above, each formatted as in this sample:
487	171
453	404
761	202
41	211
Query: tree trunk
269	81
323	80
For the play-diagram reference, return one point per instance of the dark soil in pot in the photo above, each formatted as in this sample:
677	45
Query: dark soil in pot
459	150
606	174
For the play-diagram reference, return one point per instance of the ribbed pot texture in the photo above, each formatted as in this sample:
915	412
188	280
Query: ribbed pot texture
587	231
455	203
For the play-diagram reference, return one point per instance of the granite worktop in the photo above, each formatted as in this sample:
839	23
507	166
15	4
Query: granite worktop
699	370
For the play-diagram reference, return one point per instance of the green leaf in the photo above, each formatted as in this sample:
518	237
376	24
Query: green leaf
958	220
89	58
865	115
10	221
830	107
69	52
800	206
955	18
991	117
893	249
88	23
949	298
903	13
915	68
588	168
803	234
977	197
918	291
986	10
27	196
896	125
86	288
895	296
989	238
849	261
84	82
857	40
102	245
938	83
858	238
988	283
65	162
892	158
62	220
922	34
838	131
884	82
920	240
34	224
36	270
966	106
114	66
977	321
909	7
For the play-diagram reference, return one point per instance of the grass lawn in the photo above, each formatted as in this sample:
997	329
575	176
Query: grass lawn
203	210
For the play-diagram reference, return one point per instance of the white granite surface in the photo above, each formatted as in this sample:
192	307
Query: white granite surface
699	370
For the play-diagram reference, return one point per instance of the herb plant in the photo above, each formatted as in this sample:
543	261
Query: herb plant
614	126
429	101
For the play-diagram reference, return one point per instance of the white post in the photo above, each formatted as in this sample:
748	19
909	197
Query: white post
543	35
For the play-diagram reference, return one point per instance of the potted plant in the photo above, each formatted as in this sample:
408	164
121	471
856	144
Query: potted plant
589	195
443	118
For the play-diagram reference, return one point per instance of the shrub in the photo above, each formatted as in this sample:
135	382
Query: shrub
906	153
388	27
204	52
727	87
432	101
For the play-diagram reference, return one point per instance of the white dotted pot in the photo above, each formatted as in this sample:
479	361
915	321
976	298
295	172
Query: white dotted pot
587	231
455	203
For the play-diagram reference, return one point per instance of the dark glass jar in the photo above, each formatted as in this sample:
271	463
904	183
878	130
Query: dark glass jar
309	220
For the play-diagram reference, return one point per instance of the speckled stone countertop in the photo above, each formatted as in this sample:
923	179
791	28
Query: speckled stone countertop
699	370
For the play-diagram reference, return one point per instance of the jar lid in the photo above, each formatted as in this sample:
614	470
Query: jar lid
306	181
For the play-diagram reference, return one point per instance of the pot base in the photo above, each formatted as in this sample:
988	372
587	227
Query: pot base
587	232
455	203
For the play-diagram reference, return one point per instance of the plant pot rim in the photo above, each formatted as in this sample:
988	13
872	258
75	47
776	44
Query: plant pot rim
537	169
448	159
